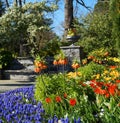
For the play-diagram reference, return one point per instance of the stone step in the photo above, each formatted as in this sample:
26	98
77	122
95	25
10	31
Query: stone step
6	85
22	63
19	75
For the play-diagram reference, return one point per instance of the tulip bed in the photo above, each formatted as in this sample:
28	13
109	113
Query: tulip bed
19	106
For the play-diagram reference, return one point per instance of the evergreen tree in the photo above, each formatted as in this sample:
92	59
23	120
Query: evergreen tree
102	6
96	30
115	14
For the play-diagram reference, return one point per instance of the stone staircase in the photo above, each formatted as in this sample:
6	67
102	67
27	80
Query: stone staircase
22	69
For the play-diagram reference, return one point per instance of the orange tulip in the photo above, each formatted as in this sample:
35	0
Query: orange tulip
75	65
106	53
62	61
40	64
90	57
113	67
37	70
55	62
43	66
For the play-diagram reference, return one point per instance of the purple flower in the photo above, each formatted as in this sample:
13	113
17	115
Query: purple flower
20	106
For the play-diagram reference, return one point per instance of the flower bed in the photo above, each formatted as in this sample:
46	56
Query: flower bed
88	94
91	92
19	106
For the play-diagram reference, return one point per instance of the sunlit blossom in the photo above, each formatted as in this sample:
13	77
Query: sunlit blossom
72	102
58	99
48	100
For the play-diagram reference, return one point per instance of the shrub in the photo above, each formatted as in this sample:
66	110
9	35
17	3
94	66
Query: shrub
5	58
65	97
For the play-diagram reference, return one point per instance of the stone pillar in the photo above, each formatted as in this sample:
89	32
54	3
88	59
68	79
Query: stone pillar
72	52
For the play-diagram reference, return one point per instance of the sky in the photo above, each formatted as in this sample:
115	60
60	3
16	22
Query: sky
58	16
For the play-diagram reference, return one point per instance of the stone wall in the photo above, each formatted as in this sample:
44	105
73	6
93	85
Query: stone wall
23	67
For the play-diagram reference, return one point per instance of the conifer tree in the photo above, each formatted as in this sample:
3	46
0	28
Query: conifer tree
115	14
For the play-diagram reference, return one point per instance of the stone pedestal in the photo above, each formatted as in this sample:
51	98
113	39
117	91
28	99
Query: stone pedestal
72	52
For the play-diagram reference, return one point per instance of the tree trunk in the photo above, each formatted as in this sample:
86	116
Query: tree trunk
21	37
68	15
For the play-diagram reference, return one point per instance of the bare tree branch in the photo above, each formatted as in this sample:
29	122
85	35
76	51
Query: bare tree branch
20	3
7	4
81	2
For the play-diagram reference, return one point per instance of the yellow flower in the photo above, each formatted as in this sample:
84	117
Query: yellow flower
105	72
73	74
116	59
97	76
114	73
107	78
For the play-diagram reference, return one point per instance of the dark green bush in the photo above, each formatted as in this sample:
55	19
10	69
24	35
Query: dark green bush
5	58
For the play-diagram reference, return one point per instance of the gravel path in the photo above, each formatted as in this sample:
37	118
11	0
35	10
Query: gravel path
6	85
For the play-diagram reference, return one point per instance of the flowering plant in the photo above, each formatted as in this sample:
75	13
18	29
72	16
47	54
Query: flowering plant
19	106
95	98
60	59
39	64
101	56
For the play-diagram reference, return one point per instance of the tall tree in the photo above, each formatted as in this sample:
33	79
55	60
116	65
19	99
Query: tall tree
102	6
69	15
96	30
25	24
115	14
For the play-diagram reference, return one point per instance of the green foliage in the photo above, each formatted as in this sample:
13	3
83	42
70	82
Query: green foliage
88	71
75	95
5	58
101	6
47	85
96	33
115	15
25	25
58	86
64	43
50	48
